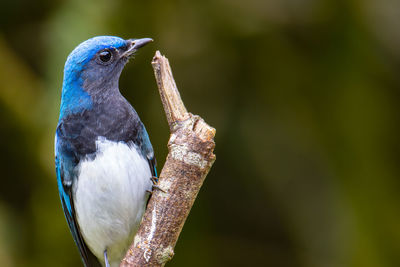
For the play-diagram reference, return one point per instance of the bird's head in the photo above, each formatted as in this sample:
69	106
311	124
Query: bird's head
100	59
94	67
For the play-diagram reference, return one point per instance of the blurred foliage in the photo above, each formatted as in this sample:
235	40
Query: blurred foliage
303	94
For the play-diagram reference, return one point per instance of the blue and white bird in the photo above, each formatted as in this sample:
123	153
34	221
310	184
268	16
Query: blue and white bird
105	162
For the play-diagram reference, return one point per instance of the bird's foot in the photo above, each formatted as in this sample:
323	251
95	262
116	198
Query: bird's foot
154	180
155	186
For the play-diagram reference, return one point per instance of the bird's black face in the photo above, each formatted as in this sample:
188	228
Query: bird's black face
104	69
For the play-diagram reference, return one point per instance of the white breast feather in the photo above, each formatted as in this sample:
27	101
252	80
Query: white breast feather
110	197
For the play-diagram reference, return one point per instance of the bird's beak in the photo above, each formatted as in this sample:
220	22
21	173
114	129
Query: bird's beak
135	44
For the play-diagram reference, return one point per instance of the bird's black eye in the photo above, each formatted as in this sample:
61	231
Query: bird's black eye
105	56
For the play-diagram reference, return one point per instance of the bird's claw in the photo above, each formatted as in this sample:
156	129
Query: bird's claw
154	180
155	186
158	188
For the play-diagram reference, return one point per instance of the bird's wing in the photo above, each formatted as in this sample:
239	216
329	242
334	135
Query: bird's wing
153	164
65	177
147	150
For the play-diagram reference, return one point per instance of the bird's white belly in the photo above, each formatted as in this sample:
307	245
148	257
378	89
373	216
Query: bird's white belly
110	197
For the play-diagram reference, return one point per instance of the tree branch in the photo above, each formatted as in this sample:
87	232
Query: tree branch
190	157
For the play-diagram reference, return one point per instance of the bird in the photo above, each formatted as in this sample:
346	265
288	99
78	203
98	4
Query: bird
105	163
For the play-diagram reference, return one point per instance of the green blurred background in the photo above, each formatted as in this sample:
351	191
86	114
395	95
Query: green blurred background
304	97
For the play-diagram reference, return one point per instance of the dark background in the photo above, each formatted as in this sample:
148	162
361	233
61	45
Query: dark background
304	96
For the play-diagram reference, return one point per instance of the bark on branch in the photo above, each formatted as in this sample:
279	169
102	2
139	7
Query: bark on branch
190	157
